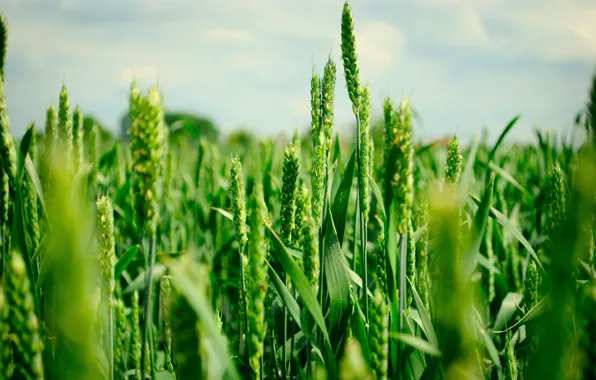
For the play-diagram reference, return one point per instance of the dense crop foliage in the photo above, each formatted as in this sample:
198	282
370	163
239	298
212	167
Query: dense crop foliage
317	257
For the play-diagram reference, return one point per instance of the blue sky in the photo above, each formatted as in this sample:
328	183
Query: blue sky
464	64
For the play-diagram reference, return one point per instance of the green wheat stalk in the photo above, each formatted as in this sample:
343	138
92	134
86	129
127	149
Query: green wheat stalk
105	216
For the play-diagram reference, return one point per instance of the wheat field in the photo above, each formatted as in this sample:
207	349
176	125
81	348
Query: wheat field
161	256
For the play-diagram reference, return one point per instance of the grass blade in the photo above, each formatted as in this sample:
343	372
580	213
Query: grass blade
23	151
378	197
125	259
509	178
286	297
489	344
504	221
341	199
467	174
508	128
360	330
202	307
417	343
478	228
428	327
541	307
509	307
338	283
305	291
226	214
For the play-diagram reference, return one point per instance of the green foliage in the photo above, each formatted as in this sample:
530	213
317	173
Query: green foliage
181	126
196	127
148	136
415	261
78	138
454	161
23	321
289	191
8	159
65	128
379	335
349	57
3	43
257	281
241	140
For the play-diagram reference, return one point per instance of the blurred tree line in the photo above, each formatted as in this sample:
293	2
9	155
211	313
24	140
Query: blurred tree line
188	129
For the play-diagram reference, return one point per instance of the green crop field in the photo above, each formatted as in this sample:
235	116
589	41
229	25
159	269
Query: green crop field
374	256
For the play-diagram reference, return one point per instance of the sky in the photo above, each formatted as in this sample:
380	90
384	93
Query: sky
464	65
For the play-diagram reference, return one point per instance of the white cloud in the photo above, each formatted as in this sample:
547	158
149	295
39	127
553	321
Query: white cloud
546	30
139	73
378	44
567	34
473	26
447	23
549	30
300	106
308	19
249	63
220	34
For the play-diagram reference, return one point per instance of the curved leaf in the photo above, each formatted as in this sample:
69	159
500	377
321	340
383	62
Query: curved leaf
467	174
502	219
417	343
428	326
202	307
541	307
509	178
508	128
286	297
341	199
305	291
478	228
338	282
360	330
124	260
508	308
376	191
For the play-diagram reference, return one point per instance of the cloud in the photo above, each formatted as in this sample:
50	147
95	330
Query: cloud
378	45
139	73
220	34
549	30
563	34
431	24
300	106
464	63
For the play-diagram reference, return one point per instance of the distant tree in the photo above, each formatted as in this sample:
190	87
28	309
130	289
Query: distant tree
89	121
194	126
124	125
241	138
182	125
